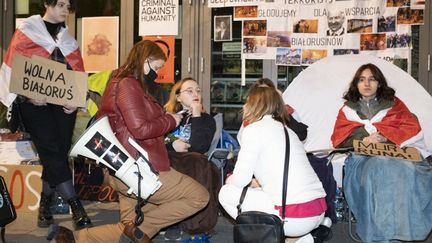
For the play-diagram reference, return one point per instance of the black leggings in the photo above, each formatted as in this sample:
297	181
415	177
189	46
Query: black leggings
51	132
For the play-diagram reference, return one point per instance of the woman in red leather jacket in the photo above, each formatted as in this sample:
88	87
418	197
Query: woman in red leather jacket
134	112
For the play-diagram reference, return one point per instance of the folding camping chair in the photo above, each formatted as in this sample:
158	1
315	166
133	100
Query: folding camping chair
218	155
350	215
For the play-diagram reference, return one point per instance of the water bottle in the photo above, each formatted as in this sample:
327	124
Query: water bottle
340	205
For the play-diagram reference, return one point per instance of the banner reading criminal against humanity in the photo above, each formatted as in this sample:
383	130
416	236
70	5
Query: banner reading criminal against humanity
158	17
41	78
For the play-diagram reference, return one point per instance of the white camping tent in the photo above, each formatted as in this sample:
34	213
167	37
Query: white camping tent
316	95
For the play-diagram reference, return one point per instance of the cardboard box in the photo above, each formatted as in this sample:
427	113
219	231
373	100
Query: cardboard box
24	184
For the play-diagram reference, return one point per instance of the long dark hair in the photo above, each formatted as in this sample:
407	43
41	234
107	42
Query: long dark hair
383	91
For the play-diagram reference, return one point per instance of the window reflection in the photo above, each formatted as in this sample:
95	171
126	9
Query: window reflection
86	8
24	9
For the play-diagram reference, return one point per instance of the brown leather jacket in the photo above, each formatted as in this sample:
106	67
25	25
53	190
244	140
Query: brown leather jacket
136	114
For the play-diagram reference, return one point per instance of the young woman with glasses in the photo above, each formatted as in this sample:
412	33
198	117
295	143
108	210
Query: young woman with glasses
197	128
187	145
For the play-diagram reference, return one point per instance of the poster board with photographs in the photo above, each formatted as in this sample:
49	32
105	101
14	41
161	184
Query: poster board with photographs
326	28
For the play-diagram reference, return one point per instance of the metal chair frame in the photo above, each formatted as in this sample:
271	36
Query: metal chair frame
219	156
330	155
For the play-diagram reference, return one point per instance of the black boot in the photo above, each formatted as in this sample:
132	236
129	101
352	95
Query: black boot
45	217
79	216
60	234
321	234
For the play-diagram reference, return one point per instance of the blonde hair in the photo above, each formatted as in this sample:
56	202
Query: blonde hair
140	52
173	105
264	101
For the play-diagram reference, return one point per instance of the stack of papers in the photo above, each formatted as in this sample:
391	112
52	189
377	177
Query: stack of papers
16	152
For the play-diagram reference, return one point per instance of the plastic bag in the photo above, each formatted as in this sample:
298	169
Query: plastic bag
228	141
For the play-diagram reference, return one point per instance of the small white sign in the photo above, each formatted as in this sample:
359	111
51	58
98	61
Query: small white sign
158	17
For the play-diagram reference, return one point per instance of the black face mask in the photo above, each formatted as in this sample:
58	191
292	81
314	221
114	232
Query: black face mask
151	76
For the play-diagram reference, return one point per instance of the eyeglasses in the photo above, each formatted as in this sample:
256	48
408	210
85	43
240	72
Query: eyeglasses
190	91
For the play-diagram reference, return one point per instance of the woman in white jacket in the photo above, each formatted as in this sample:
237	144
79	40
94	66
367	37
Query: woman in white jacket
260	165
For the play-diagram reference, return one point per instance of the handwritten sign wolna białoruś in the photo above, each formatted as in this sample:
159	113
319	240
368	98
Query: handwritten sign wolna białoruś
41	78
384	149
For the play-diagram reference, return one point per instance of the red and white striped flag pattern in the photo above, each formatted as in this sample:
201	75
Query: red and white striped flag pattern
32	38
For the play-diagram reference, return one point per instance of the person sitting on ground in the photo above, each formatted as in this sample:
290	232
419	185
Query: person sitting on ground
187	145
389	197
260	164
134	113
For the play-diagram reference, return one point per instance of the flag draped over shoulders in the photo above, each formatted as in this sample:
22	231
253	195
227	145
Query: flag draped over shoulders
343	128
32	38
397	124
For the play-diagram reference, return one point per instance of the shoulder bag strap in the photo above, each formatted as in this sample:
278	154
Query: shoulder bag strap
285	178
242	197
286	167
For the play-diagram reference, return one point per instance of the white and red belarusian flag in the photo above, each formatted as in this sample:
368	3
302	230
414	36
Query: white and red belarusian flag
397	124
32	38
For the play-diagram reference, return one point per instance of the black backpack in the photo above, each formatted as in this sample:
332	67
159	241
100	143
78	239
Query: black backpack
7	209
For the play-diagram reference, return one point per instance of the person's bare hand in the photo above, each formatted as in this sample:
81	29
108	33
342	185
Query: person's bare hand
196	108
370	139
180	145
69	109
375	138
177	118
381	138
38	102
254	183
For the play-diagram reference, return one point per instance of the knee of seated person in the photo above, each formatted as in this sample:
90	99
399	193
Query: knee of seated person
201	198
224	194
228	193
205	197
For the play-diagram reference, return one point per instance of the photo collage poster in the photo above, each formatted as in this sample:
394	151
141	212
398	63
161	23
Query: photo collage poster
301	32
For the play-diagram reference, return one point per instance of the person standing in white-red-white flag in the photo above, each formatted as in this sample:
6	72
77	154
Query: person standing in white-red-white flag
32	38
49	125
